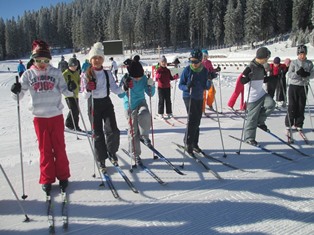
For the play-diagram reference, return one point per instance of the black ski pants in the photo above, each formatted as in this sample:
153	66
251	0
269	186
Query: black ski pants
73	107
296	105
104	119
194	120
164	97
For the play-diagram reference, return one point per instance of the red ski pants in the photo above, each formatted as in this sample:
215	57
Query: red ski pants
239	89
54	162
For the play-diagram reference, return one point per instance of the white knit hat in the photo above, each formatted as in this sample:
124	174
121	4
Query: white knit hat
96	50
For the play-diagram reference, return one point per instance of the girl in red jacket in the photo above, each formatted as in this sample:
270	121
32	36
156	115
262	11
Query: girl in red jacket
163	77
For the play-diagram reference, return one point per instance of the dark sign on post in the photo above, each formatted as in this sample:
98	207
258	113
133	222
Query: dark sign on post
114	47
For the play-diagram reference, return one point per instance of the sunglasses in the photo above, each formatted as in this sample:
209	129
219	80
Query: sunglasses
194	61
45	61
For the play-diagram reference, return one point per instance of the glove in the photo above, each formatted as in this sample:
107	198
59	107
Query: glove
71	85
212	75
128	83
16	88
218	69
190	85
150	82
301	72
176	76
91	85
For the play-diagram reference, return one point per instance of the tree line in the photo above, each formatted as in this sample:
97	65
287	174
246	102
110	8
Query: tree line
143	24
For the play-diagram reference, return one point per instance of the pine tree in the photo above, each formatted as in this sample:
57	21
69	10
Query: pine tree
229	24
252	26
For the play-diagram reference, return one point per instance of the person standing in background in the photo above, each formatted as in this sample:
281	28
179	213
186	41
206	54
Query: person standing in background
78	69
114	68
21	68
63	65
72	75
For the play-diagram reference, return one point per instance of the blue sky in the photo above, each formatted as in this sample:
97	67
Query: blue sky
10	8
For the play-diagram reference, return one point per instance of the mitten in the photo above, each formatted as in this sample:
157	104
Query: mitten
218	69
176	76
71	85
16	88
91	85
128	83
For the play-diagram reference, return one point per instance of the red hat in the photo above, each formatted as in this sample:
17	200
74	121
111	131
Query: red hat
40	49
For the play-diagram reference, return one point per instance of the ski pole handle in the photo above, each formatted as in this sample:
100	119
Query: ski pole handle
17	79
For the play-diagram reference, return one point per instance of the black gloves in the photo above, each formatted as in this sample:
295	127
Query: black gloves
246	75
16	88
218	69
190	84
71	85
212	75
301	72
127	82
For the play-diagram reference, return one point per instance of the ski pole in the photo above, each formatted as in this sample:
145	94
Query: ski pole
308	105
288	114
219	93
187	124
131	128
71	113
174	95
245	114
13	191
20	138
151	119
222	142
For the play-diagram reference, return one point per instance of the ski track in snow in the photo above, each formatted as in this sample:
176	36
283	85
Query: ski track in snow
275	198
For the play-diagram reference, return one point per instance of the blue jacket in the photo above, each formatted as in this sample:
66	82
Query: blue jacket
21	68
137	92
200	81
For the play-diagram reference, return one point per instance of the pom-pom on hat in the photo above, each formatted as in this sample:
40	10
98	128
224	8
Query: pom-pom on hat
277	60
135	69
96	50
40	49
73	62
262	53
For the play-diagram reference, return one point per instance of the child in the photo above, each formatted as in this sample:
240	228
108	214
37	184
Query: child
194	81
46	84
299	73
210	97
136	84
71	74
276	74
97	82
239	89
163	76
259	104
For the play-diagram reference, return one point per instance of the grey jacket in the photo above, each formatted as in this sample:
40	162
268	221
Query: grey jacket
295	79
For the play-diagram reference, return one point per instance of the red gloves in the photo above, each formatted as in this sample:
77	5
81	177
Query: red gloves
91	85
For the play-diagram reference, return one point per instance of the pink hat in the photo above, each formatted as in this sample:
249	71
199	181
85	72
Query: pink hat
287	61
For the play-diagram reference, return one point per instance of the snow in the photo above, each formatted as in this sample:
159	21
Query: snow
272	195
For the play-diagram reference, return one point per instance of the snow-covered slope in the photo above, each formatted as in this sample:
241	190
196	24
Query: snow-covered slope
270	196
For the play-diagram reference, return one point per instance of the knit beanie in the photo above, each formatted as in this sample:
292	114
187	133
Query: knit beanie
40	49
73	62
301	49
135	69
277	60
163	59
205	52
96	50
262	53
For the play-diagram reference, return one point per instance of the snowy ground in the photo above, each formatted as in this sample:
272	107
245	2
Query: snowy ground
272	195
